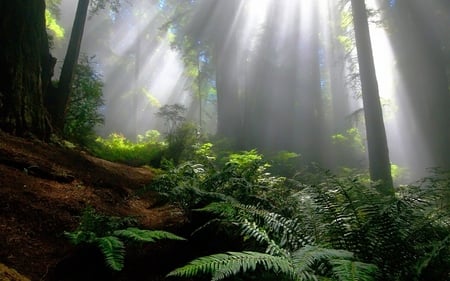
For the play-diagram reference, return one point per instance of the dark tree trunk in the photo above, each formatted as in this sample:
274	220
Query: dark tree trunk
418	37
379	164
58	100
25	67
229	113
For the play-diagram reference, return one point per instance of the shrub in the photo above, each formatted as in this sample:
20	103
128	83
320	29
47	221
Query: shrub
117	148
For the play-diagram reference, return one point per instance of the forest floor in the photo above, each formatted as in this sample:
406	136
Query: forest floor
43	190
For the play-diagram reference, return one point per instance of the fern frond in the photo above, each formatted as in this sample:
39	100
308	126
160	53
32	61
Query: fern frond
436	250
223	265
79	236
224	209
114	251
143	235
304	258
348	270
259	234
288	231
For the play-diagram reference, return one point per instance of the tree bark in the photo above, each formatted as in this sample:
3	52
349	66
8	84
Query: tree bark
57	100
25	67
379	164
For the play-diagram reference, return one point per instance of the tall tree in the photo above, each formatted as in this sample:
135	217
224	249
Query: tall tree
25	67
57	100
379	164
419	35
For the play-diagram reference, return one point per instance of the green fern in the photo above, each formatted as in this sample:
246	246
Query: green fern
306	257
99	230
143	235
348	270
221	266
403	235
113	250
259	234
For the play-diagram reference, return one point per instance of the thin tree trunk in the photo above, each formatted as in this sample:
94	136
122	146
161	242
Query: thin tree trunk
379	164
58	101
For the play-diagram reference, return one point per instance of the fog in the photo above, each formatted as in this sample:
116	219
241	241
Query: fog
275	75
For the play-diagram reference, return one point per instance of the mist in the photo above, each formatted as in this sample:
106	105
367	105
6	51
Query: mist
276	75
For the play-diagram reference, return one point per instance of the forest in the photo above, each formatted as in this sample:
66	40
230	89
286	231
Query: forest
224	140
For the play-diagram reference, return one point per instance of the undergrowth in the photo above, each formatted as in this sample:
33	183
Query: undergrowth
328	227
313	226
111	234
117	148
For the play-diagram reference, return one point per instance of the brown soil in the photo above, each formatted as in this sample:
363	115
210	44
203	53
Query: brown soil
44	188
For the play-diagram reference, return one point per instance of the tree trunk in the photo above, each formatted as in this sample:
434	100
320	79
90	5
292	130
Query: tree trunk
25	67
58	100
229	115
418	40
379	164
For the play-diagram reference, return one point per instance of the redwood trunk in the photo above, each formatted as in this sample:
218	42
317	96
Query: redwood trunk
379	164
25	67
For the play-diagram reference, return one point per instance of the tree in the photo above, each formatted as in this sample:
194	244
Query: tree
379	164
419	36
25	67
58	99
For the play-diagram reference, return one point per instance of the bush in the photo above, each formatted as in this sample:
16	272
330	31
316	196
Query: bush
117	148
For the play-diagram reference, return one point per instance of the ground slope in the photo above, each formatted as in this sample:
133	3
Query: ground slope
44	188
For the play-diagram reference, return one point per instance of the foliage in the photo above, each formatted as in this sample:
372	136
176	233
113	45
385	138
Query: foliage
53	26
182	186
379	237
284	163
172	116
109	235
97	5
351	138
349	148
243	177
228	264
82	112
394	233
286	253
117	148
180	142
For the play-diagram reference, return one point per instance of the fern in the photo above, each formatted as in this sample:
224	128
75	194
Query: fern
403	235
260	235
113	250
288	232
306	257
143	235
221	266
348	270
99	230
78	237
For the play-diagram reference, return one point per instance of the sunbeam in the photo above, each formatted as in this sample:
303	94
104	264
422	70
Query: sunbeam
261	69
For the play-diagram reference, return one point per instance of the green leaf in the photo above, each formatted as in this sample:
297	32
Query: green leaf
305	257
114	251
142	235
223	265
347	270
